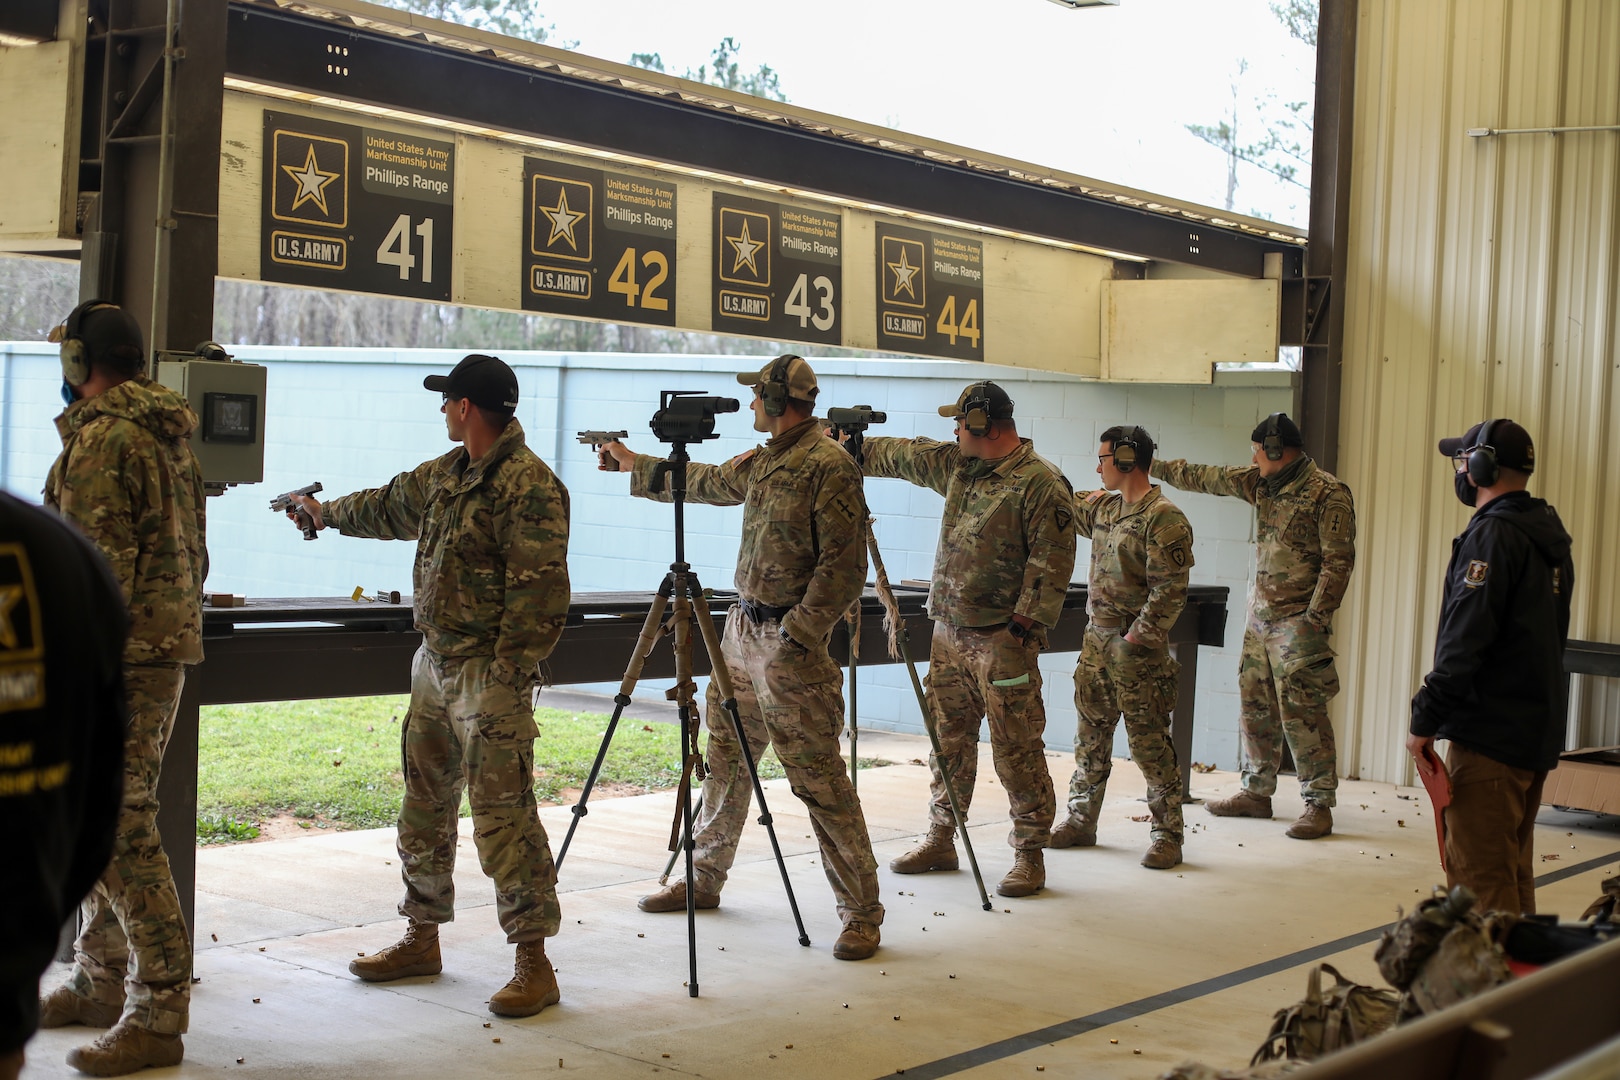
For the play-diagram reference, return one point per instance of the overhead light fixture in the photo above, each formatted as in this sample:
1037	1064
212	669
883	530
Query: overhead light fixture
1086	3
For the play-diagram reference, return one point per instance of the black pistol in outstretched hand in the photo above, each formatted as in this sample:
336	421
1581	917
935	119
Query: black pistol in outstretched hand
289	504
599	439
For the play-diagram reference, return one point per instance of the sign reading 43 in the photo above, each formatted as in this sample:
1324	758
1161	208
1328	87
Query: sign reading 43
778	270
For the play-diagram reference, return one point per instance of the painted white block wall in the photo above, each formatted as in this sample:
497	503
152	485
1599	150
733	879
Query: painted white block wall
352	418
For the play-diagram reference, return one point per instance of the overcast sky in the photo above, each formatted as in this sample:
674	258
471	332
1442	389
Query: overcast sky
1104	92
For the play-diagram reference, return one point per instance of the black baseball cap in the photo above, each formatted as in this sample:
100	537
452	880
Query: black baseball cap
1287	431
485	381
998	405
1512	445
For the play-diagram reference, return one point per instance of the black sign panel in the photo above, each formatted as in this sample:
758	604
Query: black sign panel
356	208
598	244
778	270
930	293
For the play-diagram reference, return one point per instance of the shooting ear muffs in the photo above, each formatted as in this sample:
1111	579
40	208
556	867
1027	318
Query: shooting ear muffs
976	411
75	356
774	390
1272	444
1483	467
1126	449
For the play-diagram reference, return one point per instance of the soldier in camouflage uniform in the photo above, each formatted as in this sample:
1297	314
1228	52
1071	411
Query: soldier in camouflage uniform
801	565
490	521
1141	554
128	479
1305	548
1006	552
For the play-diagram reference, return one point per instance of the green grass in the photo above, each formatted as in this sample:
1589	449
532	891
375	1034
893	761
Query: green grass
335	763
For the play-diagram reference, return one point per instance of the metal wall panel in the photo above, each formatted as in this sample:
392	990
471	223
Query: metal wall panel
1483	282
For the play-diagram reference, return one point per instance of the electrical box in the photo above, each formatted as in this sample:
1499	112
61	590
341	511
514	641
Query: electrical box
228	399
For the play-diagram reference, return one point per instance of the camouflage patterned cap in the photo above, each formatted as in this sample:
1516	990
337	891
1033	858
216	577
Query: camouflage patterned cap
792	370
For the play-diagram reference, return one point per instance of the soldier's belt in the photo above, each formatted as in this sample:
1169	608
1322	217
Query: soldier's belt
758	613
1107	624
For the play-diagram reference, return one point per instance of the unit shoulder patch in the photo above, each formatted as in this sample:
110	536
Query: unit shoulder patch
1337	520
1476	574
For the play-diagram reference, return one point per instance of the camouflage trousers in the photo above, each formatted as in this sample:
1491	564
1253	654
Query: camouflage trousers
133	947
1286	679
1115	676
983	672
791	698
466	730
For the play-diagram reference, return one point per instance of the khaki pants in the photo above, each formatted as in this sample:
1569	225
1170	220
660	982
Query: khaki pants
1490	830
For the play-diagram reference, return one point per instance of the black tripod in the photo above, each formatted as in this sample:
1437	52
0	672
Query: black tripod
682	586
853	423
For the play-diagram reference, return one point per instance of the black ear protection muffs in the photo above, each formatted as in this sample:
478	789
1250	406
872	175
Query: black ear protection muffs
1272	444
976	411
774	390
1126	449
75	356
1483	467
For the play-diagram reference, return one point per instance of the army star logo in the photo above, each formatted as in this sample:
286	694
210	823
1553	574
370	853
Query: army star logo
746	246
562	219
10	597
1478	570
904	272
312	181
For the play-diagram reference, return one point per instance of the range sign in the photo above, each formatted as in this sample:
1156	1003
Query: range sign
778	270
930	293
355	208
598	244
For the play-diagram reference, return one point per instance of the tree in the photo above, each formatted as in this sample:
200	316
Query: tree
725	71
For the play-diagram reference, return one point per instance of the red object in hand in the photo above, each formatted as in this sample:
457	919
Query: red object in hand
1438	783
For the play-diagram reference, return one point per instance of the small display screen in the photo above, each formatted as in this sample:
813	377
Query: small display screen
230	417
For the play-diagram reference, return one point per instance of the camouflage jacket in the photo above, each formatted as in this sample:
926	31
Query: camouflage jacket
1305	541
804	524
1141	555
491	573
1006	542
128	479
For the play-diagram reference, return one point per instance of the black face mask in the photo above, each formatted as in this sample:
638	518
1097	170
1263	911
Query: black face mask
1467	493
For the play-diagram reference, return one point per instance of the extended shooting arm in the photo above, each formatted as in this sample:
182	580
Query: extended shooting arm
290	504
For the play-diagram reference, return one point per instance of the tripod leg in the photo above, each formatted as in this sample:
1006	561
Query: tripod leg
854	624
632	672
903	639
683	692
728	699
686	836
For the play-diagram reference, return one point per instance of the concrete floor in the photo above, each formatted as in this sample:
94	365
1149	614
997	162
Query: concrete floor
1113	971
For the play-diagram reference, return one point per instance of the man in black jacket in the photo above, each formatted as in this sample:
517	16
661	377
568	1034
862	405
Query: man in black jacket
62	628
1497	688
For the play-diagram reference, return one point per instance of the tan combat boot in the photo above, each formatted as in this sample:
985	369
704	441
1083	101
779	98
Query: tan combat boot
62	1007
417	953
673	898
533	985
1162	854
858	941
1315	823
127	1049
1240	805
937	851
1073	833
1027	876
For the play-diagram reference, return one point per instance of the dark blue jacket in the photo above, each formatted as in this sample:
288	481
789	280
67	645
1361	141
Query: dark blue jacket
1498	684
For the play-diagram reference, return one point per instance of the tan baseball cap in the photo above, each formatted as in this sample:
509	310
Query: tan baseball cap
793	370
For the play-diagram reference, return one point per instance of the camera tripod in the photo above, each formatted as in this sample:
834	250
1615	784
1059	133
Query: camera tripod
853	424
681	587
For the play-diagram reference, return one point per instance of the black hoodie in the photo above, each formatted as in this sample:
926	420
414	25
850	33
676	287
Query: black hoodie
1498	681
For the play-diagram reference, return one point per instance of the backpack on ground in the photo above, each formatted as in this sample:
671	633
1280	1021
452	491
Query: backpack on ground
1345	1014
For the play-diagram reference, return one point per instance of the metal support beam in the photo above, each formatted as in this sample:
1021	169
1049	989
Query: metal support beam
282	48
1317	303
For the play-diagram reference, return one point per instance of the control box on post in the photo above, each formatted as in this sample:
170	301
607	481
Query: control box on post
228	398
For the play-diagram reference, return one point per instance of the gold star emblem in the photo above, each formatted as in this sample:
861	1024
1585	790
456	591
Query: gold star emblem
562	219
311	180
904	272
746	247
10	597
